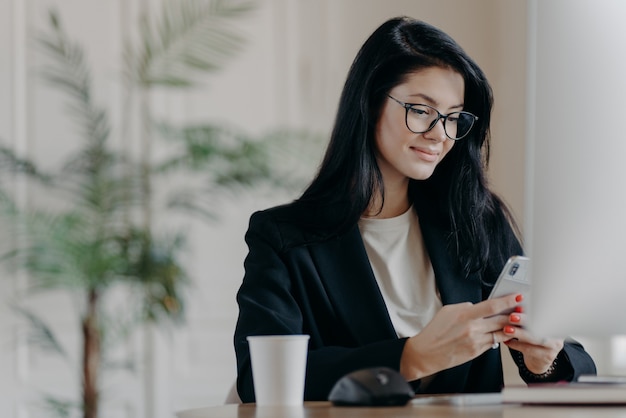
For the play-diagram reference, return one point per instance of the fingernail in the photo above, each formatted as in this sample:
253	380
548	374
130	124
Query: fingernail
519	309
515	318
509	329
519	298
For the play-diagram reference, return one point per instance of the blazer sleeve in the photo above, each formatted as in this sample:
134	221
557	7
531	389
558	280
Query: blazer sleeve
578	359
571	362
268	305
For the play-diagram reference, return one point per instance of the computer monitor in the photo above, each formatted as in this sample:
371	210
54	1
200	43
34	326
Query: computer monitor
577	241
575	223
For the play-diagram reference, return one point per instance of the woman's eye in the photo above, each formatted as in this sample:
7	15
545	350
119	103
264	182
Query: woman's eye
418	111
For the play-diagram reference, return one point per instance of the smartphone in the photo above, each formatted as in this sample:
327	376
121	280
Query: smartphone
513	278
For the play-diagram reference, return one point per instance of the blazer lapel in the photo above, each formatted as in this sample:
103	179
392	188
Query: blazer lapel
346	272
453	286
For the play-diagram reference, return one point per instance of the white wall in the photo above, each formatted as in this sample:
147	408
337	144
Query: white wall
293	68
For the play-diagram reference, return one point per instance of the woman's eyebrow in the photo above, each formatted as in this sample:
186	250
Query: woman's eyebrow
432	101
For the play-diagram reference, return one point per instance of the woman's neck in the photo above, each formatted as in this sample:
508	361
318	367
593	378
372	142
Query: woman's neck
396	202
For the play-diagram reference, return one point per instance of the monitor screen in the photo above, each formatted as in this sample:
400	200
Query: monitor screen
575	225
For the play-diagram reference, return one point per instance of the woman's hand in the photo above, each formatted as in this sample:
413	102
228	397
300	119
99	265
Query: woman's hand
539	354
458	333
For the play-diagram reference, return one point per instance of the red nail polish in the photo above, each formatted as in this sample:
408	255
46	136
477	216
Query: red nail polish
519	298
515	318
509	329
519	309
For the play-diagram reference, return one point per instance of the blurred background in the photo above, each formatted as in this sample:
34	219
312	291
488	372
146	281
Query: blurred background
276	87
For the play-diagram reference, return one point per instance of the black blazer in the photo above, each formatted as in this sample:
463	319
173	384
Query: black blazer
302	279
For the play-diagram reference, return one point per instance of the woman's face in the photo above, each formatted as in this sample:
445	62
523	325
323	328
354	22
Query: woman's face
402	154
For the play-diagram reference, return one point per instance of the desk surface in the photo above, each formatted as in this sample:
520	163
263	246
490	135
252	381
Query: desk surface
326	410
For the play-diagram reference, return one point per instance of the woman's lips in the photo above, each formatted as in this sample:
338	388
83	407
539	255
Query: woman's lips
426	154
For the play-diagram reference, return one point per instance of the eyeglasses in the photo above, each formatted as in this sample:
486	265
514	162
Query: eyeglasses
421	118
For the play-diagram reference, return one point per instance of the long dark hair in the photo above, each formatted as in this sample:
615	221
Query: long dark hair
457	191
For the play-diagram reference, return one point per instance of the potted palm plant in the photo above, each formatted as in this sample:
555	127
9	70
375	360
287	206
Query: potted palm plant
99	233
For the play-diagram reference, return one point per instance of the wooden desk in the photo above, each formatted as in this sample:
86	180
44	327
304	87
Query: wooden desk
326	410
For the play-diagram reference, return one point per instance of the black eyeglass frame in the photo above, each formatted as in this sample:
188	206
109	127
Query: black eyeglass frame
440	115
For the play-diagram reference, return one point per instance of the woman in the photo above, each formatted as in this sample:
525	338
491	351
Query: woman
389	255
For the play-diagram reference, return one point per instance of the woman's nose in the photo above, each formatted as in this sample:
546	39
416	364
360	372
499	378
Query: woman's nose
437	133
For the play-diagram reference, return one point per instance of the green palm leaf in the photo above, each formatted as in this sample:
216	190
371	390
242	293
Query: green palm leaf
91	167
232	161
191	36
40	334
68	70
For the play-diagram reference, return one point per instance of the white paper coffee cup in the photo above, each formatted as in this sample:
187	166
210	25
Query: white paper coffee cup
278	368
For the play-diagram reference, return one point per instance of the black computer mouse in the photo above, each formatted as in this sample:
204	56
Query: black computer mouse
377	386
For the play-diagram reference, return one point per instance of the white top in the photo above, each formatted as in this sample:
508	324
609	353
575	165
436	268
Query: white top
403	270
